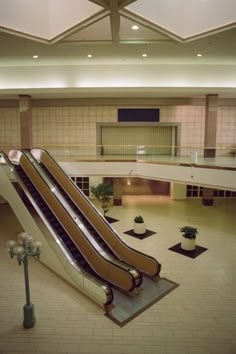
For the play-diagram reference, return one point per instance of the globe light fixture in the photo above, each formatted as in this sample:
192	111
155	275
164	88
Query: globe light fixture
24	247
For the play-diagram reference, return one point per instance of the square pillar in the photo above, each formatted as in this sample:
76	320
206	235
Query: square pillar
25	110
210	125
117	191
207	196
178	191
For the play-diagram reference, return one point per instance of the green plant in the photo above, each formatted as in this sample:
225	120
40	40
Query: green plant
103	192
139	219
189	232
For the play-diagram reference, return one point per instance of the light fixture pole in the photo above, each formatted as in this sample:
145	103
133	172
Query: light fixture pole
20	250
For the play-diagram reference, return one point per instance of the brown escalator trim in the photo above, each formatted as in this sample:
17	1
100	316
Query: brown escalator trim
137	259
112	273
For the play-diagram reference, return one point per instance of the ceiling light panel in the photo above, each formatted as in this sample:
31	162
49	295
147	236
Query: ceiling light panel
166	14
58	16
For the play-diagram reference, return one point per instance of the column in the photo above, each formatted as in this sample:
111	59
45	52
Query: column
207	196
210	125
25	110
178	191
117	191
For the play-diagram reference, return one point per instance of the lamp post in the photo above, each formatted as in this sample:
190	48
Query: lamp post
24	247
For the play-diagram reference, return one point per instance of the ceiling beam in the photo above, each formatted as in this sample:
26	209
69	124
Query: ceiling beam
115	20
103	3
23	35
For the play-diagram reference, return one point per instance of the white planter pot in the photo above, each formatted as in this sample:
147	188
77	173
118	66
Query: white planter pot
139	228
188	244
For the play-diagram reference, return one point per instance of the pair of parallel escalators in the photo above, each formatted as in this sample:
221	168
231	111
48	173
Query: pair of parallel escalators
83	232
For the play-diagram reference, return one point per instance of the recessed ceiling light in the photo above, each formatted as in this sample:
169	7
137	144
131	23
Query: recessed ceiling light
199	55
35	56
90	56
135	27
144	55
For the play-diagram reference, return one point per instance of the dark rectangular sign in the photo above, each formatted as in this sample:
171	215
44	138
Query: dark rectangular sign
138	114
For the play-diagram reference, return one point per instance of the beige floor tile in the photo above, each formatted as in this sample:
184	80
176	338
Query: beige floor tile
197	317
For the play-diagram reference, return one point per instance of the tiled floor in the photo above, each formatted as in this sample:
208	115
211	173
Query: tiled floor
199	317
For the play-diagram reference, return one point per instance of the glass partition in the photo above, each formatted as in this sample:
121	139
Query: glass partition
224	155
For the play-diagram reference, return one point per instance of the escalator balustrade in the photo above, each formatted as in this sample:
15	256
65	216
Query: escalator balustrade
115	273
146	264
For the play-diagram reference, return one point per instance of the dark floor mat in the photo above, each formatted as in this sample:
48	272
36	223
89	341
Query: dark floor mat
192	254
140	236
110	220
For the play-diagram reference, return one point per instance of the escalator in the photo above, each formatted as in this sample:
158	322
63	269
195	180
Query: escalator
96	236
94	222
72	248
52	220
61	257
88	256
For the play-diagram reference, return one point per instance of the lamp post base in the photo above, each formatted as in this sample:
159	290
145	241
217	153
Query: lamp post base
29	318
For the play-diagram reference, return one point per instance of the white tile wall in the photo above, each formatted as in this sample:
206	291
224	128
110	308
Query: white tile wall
69	126
9	129
76	126
226	129
192	120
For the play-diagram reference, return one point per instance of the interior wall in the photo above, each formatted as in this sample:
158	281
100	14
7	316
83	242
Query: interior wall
9	128
226	129
72	125
142	186
64	125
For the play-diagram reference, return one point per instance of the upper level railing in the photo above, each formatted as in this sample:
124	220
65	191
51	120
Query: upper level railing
156	153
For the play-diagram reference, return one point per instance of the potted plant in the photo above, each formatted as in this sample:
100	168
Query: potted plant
189	234
103	193
139	225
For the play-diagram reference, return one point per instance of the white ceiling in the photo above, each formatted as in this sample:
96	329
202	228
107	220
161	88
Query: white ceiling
117	69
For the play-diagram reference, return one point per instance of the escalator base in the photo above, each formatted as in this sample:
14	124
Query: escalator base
127	308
